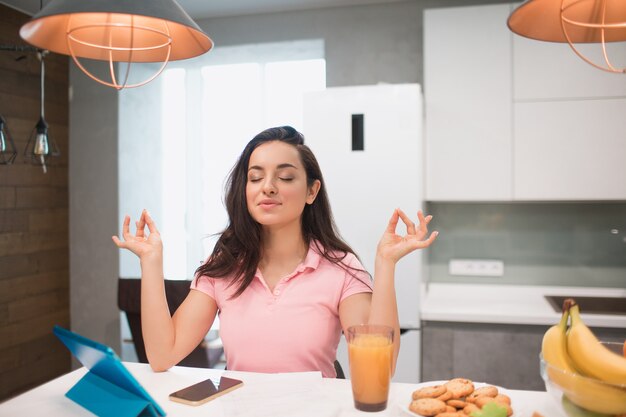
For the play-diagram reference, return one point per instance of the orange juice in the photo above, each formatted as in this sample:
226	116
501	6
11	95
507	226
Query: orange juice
370	369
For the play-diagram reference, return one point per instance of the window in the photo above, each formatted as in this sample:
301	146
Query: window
239	101
181	134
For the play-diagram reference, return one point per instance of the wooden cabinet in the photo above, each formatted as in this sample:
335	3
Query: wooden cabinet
467	75
508	118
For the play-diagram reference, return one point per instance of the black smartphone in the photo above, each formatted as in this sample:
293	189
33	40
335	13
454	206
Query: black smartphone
204	391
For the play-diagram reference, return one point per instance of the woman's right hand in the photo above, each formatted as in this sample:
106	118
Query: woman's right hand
144	246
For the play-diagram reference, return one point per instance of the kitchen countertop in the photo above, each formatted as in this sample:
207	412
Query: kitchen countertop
508	304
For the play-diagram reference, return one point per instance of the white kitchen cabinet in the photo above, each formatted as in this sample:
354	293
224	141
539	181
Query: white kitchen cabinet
508	118
552	71
570	150
468	77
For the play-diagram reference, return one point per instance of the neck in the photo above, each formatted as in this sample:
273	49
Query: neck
283	244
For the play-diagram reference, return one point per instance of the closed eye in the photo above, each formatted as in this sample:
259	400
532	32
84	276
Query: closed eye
286	179
255	179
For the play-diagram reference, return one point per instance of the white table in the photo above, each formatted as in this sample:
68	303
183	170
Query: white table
276	395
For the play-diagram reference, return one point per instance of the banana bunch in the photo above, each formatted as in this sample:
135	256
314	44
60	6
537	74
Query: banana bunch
581	367
589	356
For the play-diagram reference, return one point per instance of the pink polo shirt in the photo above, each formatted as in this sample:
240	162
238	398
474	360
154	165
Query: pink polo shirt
296	327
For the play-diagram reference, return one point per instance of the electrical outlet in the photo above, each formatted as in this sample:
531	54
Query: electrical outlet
476	267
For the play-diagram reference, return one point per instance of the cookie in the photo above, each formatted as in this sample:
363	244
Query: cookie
504	399
445	396
470	408
460	387
482	400
451	415
450	409
500	399
427	406
487	391
429	392
457	403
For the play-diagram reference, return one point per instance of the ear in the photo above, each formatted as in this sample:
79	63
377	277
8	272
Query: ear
313	190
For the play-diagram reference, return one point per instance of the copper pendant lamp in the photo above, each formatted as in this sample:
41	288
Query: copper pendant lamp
117	31
574	22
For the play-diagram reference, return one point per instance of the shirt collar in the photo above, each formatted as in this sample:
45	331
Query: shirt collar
311	261
313	256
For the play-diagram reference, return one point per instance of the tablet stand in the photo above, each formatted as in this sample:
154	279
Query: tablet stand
106	399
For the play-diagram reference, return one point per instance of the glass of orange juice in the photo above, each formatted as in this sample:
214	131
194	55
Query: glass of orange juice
370	350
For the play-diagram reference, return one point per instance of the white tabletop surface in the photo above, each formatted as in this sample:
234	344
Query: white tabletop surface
275	395
508	304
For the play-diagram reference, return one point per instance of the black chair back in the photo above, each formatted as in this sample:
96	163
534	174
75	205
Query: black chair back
129	301
340	374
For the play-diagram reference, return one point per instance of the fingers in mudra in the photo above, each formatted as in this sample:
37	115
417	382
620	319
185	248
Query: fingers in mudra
125	233
140	234
423	225
416	236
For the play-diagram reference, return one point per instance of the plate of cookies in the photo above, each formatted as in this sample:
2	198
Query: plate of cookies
458	397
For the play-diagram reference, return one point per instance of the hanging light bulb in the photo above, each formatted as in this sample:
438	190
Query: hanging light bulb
8	151
40	146
117	31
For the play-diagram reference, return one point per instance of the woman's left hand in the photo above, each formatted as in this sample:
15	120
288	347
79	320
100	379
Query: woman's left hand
392	247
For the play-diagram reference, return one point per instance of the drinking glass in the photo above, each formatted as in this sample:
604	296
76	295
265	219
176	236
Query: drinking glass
370	351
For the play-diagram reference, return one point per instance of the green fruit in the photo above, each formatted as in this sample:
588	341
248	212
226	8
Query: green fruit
572	410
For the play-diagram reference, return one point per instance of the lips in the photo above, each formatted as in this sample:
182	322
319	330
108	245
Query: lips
268	203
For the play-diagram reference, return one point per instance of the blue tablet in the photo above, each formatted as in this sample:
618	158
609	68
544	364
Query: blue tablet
102	361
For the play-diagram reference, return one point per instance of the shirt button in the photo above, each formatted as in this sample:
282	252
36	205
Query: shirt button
276	292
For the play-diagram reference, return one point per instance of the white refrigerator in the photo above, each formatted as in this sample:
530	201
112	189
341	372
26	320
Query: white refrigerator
368	141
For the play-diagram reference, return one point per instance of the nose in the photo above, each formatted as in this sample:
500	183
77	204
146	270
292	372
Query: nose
269	188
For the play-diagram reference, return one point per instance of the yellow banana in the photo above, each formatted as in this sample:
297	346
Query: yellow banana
553	346
584	392
589	356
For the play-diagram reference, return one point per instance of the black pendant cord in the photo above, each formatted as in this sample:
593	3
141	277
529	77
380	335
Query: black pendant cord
43	71
43	74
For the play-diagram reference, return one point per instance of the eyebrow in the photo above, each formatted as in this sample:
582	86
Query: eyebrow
281	166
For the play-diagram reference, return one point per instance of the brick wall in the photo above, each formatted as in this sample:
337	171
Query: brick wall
34	236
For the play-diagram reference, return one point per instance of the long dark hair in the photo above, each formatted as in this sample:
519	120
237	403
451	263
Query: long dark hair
238	250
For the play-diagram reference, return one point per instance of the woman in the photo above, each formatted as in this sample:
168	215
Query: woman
281	278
